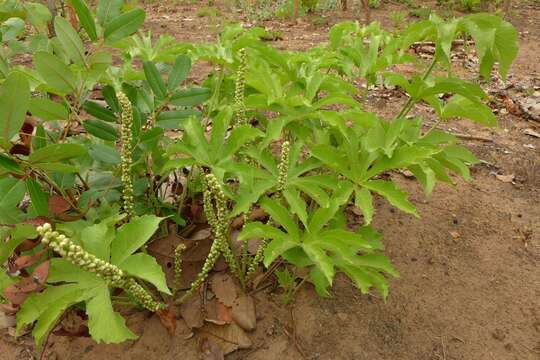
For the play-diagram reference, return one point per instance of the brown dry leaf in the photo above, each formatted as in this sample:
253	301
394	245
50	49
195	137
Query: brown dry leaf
27	245
7	321
210	350
223	312
511	106
506	178
191	311
37	221
24	261
531	132
168	320
224	287
73	324
17	293
58	205
243	313
229	337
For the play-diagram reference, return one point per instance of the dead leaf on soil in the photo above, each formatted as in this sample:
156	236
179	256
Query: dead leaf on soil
455	235
58	205
217	312
17	293
243	313
191	311
210	350
511	106
224	287
168	320
7	321
229	337
506	178
531	132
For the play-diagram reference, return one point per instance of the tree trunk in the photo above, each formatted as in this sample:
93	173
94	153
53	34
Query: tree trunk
344	5
295	15
365	5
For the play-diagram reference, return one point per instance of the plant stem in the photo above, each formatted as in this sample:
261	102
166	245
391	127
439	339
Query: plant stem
410	103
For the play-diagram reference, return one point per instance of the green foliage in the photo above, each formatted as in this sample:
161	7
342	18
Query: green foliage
279	132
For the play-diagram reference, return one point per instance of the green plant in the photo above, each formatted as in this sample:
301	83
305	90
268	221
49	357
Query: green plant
279	133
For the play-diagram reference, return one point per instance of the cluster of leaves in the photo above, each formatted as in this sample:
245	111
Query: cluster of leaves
289	138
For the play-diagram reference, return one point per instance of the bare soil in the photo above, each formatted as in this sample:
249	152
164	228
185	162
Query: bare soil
470	276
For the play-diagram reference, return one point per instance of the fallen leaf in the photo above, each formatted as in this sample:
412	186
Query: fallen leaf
58	205
17	293
7	321
73	324
455	235
511	106
229	337
210	350
224	287
243	313
37	221
168	320
191	311
531	132
506	178
22	262
223	312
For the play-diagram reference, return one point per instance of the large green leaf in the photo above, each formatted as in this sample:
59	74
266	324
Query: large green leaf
154	79
106	325
100	129
70	40
108	10
56	74
47	109
14	97
132	236
191	96
124	25
395	196
56	152
85	17
39	198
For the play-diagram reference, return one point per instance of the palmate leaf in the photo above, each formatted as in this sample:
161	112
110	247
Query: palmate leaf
69	284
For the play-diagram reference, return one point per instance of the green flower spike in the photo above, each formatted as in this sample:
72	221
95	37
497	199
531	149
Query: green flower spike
76	255
126	153
283	166
240	86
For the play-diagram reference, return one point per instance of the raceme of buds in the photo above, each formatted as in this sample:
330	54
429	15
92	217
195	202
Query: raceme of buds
126	153
283	166
240	85
178	265
76	255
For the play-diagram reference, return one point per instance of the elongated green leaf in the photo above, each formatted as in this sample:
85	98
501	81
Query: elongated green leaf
297	204
9	165
462	107
395	196
38	197
132	236
14	97
321	260
57	152
56	74
70	40
124	25
154	79
104	153
56	167
108	10
191	96
11	192
279	214
146	267
47	109
100	129
179	72
99	111
364	201
85	18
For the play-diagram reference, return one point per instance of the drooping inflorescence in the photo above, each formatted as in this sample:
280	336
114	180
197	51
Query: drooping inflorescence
126	153
283	166
239	91
178	265
76	255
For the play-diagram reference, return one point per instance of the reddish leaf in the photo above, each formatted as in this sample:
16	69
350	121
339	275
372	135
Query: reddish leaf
25	134
17	293
19	149
24	261
41	272
37	221
58	205
27	245
223	312
168	320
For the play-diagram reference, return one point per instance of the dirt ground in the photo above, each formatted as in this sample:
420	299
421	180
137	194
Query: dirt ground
470	276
